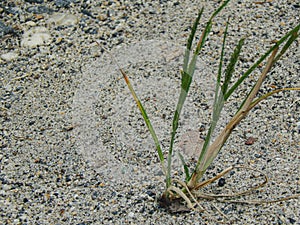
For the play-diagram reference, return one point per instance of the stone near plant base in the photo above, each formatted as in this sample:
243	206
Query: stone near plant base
62	19
36	36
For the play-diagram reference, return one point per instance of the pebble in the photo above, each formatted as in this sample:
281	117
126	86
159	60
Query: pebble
36	36
9	56
35	1
131	215
4	29
39	9
63	3
63	19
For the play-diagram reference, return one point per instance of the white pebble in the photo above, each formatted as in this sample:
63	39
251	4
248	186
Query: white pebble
131	215
62	19
9	56
35	36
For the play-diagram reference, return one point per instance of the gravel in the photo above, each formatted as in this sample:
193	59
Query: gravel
74	149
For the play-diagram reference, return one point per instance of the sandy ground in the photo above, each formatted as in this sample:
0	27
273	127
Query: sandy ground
74	149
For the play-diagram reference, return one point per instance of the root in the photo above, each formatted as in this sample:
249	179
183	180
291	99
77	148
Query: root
262	201
192	196
224	172
190	205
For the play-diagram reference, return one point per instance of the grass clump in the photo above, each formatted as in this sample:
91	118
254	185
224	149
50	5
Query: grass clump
188	188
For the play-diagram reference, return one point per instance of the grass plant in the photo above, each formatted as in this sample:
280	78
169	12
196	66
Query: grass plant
188	188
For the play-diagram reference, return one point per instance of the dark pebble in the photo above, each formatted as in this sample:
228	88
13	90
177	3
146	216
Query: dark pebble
115	212
31	122
95	195
12	10
35	1
279	222
221	182
4	30
88	13
150	193
68	178
292	221
62	3
7	105
257	155
39	9
91	31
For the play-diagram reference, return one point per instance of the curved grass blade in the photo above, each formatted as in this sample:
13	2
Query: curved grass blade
258	100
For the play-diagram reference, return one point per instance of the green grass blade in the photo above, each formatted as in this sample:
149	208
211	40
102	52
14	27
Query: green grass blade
194	29
218	103
219	9
185	167
203	38
186	79
208	27
230	68
185	86
144	114
256	64
209	152
146	119
222	56
221	139
190	40
187	75
294	36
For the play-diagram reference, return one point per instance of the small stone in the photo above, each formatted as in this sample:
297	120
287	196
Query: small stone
62	3
35	36
30	24
250	141
35	1
9	56
221	182
5	29
62	19
292	221
6	187
131	215
39	9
